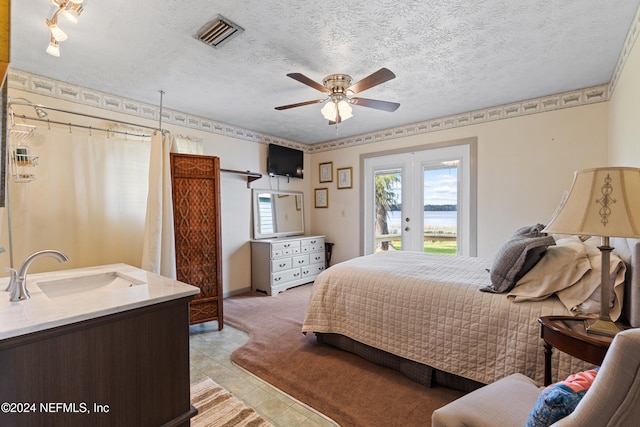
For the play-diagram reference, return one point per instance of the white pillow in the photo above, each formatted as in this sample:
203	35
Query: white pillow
562	266
583	298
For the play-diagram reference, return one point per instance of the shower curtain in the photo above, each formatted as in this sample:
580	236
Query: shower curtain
88	199
159	254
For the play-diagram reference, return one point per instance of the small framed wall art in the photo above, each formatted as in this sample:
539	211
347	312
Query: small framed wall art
345	179
322	198
326	172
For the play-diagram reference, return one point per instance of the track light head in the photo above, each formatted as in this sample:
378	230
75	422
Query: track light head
41	113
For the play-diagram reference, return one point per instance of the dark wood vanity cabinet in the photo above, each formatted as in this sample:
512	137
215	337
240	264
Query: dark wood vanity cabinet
196	212
124	369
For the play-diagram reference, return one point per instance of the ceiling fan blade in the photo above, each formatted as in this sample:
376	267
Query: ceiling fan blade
380	76
300	104
307	81
374	103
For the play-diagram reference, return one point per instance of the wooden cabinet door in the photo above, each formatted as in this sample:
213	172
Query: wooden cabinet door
196	212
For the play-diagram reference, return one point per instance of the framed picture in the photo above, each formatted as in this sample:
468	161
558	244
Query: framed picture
298	202
326	172
322	198
344	178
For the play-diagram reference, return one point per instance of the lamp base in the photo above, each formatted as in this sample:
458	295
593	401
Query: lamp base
601	327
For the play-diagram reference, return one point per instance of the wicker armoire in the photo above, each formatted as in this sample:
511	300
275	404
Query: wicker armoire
196	211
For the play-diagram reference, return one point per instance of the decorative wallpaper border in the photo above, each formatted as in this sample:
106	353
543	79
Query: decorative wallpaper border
34	83
532	106
62	90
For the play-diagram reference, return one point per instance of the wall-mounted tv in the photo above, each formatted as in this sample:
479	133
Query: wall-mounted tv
285	161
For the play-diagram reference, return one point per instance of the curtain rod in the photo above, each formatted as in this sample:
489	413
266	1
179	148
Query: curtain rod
55	122
44	107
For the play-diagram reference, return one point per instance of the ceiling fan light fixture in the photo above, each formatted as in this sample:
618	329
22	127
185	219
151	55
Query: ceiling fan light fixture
331	108
338	89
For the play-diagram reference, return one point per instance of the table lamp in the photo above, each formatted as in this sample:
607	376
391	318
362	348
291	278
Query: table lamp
602	202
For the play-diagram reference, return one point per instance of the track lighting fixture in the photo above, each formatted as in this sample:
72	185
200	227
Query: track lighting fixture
70	9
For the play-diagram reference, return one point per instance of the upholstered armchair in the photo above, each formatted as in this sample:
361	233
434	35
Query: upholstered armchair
612	400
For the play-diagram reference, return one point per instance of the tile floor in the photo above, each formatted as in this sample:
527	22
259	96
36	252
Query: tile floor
210	352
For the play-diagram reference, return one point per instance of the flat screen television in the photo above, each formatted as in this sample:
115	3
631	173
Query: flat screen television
285	161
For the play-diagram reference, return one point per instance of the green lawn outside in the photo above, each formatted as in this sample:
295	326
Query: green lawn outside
444	247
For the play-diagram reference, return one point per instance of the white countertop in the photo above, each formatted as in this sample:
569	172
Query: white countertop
41	312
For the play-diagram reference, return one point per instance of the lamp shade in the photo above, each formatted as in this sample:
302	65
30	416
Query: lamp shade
601	202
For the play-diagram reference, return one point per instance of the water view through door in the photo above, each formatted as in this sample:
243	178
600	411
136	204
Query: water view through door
438	222
419	201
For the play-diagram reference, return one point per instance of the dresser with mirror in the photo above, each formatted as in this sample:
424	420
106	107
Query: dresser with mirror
282	256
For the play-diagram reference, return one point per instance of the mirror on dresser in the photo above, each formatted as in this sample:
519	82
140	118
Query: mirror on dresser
277	213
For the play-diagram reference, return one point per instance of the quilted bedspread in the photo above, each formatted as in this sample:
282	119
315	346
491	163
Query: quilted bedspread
428	308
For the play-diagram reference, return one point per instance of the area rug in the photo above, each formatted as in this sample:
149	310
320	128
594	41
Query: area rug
346	388
217	407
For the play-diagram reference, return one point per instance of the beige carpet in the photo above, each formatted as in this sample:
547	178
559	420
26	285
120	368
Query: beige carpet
217	407
346	388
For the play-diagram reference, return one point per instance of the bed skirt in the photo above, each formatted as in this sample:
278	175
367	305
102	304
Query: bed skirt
423	374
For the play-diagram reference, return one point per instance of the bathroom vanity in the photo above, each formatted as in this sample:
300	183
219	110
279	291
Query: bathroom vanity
99	346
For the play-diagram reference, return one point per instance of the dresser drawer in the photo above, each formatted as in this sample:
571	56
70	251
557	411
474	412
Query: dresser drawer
312	269
286	245
318	247
313	241
300	260
285	276
281	264
316	257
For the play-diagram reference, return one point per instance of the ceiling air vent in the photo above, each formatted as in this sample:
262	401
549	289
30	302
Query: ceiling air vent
218	32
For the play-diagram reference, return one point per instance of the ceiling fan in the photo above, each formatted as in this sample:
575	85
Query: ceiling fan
339	91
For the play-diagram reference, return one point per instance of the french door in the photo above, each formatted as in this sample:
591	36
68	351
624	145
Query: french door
420	201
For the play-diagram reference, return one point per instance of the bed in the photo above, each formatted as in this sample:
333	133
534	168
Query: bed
426	315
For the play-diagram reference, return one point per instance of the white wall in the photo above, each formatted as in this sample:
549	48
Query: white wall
235	154
524	166
624	118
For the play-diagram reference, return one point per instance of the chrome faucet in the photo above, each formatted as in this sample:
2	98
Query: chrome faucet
18	282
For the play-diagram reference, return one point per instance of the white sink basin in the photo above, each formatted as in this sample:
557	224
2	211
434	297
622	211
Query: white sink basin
89	283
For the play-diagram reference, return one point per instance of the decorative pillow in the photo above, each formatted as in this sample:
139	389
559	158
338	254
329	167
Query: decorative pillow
583	298
562	265
560	399
517	256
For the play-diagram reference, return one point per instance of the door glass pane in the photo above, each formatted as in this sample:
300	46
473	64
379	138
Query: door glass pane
388	188
440	207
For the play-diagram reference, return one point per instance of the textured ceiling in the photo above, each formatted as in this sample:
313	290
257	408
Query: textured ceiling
449	56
